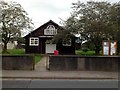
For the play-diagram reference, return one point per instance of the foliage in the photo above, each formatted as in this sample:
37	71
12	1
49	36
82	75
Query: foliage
114	26
90	45
73	25
38	58
16	51
95	21
50	42
21	40
82	53
14	19
63	35
85	49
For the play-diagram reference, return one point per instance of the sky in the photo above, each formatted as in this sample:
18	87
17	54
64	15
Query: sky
41	11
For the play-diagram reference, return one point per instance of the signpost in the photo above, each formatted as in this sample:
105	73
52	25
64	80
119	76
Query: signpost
109	47
113	48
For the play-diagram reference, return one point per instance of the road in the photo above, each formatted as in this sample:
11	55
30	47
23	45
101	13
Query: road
58	83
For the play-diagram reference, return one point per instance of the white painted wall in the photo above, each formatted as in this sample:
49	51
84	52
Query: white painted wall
10	45
50	48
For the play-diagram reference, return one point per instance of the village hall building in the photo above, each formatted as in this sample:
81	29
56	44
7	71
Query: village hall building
35	42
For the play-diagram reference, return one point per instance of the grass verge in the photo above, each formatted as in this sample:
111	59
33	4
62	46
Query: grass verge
37	57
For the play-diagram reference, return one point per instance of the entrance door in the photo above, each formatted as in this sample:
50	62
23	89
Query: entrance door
50	48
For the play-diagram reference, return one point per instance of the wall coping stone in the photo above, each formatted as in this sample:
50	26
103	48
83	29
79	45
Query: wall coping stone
83	56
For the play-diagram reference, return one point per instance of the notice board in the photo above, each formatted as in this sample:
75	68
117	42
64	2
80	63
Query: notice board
109	47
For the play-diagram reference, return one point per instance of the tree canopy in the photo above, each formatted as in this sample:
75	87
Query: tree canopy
95	21
13	20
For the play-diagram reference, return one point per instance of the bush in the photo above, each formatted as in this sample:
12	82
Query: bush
85	49
88	53
5	52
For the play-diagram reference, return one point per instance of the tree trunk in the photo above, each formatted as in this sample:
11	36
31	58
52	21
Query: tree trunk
5	48
97	51
97	48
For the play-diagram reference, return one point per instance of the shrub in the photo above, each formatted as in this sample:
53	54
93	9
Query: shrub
85	49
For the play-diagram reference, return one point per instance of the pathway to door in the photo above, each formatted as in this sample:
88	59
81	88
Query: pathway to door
40	66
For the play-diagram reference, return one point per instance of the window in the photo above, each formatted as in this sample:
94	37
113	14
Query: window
34	41
50	30
66	42
78	40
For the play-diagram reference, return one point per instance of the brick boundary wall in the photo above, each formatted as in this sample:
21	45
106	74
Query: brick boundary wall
89	63
17	62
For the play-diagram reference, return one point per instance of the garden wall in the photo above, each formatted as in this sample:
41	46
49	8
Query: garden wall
74	62
17	62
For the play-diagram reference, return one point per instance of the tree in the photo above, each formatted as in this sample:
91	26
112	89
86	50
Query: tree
115	24
73	25
13	20
93	19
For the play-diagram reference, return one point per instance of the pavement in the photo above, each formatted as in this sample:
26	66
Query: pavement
40	72
59	83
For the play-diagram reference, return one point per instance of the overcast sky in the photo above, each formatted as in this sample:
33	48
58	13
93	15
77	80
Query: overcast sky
41	11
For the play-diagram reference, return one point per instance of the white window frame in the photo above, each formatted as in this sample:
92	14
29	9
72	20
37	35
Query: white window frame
33	40
50	30
64	43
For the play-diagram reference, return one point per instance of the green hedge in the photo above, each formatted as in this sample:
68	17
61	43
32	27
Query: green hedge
85	53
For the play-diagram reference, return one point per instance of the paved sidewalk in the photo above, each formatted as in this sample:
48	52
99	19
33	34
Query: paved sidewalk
40	72
40	66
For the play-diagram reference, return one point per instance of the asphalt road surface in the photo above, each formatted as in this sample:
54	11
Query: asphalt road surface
58	83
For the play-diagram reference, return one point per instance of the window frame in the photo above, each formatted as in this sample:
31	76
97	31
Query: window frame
33	40
50	30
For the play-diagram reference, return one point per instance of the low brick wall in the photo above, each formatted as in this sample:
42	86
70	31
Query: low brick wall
17	62
74	62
